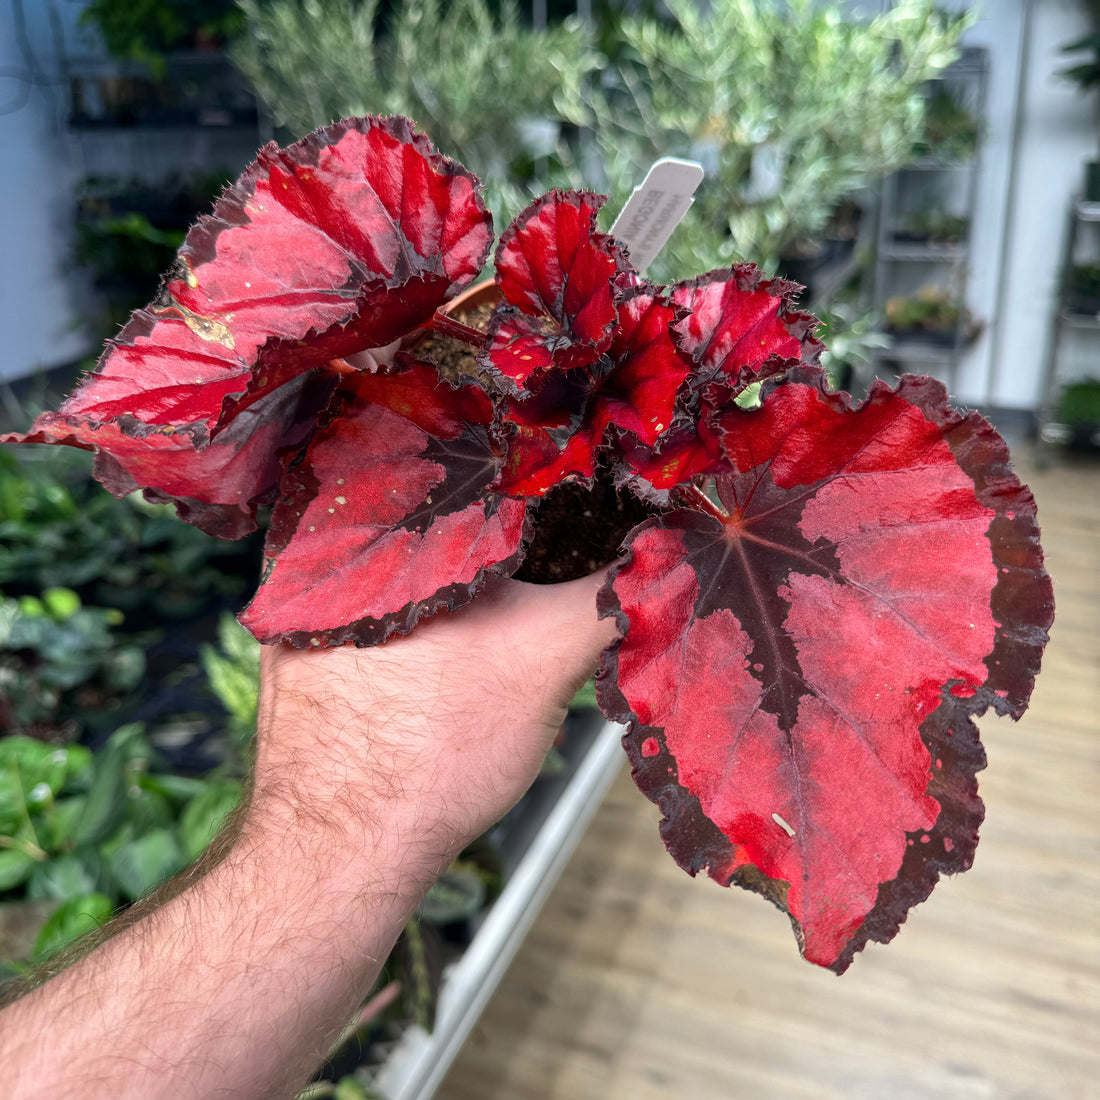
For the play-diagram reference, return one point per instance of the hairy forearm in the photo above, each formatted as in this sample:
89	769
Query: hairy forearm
373	768
238	984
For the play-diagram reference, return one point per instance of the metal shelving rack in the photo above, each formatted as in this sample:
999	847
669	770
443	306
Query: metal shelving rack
903	266
200	117
1070	315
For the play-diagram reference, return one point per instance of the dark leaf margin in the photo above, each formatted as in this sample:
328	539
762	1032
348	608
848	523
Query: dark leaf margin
440	423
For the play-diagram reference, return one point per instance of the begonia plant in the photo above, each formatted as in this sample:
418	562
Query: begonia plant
824	594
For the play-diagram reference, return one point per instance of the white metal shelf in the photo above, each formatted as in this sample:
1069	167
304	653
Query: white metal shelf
1052	432
948	263
924	253
420	1060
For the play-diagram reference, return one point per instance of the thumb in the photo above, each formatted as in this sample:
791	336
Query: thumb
561	622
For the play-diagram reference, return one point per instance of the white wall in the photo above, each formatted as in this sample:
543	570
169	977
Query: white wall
43	299
1024	193
40	310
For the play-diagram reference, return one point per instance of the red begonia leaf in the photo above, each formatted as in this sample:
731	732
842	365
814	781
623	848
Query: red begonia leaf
742	327
346	239
690	450
389	517
639	394
560	431
557	275
520	347
799	665
216	486
549	437
683	455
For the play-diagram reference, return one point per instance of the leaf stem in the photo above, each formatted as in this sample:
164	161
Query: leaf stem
27	847
691	496
448	326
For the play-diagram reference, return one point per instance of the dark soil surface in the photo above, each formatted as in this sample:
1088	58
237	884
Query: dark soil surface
579	529
455	360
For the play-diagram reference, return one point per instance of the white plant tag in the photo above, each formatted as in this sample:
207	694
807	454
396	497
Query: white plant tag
656	207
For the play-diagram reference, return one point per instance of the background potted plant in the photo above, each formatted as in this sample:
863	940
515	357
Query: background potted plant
933	314
1086	74
1079	411
791	111
168	65
932	225
951	132
493	95
145	30
1082	293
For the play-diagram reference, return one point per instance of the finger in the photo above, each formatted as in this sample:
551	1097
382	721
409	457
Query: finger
559	624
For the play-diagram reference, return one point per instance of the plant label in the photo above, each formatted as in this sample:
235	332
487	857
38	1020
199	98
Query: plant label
656	207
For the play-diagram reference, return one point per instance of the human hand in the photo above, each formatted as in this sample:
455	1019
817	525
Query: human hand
374	768
426	741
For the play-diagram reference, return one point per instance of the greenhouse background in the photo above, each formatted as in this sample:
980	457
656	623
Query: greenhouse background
1036	131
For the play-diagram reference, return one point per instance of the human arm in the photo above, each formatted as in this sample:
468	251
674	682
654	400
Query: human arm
374	768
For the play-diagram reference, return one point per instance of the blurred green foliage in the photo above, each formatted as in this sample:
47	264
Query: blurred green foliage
1079	402
488	89
790	107
94	831
60	662
144	30
58	528
233	673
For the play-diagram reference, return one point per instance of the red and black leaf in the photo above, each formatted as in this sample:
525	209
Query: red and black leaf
215	486
557	275
344	240
639	393
389	516
560	431
549	437
740	327
347	239
797	678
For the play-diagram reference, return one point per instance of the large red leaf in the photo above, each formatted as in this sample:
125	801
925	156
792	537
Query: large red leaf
389	516
215	486
740	327
557	275
346	239
800	662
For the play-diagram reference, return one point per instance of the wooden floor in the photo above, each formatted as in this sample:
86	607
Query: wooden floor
638	982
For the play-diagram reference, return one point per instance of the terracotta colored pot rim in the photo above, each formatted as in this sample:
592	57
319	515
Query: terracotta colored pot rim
483	293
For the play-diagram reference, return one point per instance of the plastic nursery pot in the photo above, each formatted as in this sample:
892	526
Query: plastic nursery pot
484	293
